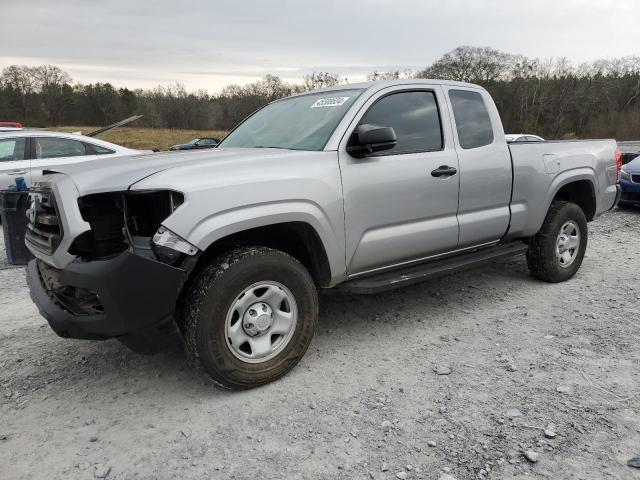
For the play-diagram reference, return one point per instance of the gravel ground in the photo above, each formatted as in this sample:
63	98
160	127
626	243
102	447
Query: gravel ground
365	403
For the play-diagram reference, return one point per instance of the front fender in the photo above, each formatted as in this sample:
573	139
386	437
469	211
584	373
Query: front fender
218	225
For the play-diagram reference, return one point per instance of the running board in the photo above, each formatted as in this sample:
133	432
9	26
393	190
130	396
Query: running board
417	273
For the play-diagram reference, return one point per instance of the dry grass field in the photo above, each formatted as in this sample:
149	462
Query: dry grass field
145	138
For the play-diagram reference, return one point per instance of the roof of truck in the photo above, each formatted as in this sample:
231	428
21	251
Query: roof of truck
380	84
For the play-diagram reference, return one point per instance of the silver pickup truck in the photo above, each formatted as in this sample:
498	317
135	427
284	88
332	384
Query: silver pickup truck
363	187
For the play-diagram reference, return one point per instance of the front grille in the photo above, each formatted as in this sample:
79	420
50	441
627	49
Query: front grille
635	178
44	230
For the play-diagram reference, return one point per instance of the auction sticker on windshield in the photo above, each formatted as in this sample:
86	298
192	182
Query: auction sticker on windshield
330	102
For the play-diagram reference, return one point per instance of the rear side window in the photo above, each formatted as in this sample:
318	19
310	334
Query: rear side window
51	147
472	119
414	117
97	149
12	149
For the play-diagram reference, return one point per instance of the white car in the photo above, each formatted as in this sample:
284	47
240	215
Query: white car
25	153
523	137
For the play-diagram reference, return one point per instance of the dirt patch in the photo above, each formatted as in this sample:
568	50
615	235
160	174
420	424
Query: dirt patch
373	397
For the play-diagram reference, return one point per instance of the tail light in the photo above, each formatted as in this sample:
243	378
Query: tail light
618	163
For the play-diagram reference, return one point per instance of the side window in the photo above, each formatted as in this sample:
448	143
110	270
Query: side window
472	119
532	139
51	147
414	117
12	149
97	149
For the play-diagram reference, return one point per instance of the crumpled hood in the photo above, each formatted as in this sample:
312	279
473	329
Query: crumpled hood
120	173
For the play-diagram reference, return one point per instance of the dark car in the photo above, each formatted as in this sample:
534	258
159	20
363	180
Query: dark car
197	143
630	183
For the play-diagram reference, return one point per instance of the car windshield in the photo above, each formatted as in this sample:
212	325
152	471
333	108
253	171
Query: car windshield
193	141
298	123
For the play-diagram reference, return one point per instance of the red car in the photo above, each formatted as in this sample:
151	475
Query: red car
12	125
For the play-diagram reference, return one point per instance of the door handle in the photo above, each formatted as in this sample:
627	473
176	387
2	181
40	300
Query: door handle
17	172
443	170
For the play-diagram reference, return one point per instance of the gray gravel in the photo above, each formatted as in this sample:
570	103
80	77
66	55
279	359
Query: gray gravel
365	402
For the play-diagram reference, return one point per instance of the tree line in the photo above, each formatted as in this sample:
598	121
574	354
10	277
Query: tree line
553	98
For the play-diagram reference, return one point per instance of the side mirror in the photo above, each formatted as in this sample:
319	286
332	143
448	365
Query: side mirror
369	138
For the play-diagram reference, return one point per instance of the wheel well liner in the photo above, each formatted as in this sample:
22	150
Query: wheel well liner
298	239
582	193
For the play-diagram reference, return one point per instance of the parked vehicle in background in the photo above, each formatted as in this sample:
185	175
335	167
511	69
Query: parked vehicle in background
364	187
523	137
197	143
25	153
630	183
628	156
10	126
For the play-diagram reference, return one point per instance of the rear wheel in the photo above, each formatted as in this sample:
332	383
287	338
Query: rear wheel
557	250
249	316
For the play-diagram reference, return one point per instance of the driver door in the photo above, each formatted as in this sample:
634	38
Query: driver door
398	208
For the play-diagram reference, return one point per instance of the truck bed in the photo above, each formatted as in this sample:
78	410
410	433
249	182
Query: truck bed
541	168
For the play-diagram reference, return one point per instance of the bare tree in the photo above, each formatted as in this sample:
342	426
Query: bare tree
471	64
321	80
53	84
20	80
392	75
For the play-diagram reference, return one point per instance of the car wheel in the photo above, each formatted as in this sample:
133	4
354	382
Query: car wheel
557	250
249	316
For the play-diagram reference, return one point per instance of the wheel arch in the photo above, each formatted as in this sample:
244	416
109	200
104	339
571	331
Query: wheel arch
582	193
301	228
578	186
296	238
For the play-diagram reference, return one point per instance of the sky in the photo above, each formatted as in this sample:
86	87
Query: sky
210	44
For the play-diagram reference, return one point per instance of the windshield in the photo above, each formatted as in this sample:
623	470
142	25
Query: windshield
193	141
297	123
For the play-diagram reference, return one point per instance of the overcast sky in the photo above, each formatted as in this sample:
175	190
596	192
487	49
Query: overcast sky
209	44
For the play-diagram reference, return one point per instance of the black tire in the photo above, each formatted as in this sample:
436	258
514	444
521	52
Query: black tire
541	256
203	311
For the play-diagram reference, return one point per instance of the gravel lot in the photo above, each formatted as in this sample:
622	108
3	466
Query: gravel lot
365	403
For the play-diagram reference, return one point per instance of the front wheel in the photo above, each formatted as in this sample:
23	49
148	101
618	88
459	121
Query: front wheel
557	250
249	316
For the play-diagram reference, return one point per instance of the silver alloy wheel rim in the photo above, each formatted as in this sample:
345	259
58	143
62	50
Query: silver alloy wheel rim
261	322
568	244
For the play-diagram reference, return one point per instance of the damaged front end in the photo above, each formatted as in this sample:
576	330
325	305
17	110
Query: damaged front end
131	220
126	270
